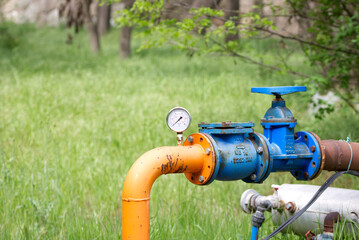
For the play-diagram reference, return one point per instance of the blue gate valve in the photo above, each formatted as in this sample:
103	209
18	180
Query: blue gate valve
244	154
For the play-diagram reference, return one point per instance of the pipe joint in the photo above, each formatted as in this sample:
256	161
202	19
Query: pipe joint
192	159
210	166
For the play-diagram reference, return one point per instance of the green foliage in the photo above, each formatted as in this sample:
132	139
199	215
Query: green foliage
331	45
180	33
346	229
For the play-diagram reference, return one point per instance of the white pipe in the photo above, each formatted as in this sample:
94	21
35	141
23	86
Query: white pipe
344	201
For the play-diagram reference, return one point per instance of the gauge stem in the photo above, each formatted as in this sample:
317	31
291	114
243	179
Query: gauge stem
179	138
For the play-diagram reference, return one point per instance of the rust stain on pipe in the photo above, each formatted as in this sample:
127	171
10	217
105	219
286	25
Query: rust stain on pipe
142	175
338	154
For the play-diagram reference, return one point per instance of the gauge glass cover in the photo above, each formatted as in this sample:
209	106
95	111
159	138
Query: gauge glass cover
178	119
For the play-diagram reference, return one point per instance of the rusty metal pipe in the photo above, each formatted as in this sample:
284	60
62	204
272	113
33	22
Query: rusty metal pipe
330	220
337	155
139	180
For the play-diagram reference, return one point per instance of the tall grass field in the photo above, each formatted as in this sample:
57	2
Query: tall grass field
72	123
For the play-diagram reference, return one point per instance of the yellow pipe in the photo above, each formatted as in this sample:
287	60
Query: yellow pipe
143	173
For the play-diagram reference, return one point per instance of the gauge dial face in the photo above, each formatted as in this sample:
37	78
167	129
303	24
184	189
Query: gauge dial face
178	119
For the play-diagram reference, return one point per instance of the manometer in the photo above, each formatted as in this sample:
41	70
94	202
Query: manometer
178	120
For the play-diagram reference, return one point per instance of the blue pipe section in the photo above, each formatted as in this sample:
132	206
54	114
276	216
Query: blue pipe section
254	234
237	155
250	156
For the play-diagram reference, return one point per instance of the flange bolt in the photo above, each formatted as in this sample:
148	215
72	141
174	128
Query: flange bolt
190	139
312	148
253	177
207	151
259	150
201	179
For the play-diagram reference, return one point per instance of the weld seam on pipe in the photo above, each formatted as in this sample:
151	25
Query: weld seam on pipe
135	199
140	178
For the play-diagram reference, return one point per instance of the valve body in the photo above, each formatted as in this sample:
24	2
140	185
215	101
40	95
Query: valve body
242	154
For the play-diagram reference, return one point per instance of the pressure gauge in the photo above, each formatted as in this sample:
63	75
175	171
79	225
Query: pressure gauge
178	119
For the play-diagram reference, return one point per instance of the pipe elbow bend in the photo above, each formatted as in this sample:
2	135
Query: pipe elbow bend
194	159
159	161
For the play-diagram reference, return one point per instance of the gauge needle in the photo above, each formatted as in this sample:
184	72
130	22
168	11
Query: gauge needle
177	121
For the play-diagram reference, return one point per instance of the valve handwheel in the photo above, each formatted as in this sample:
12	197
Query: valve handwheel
278	91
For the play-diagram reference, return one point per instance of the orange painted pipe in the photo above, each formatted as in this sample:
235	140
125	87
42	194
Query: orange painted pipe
139	180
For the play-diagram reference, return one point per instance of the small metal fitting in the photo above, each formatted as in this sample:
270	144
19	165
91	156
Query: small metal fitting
259	150
309	235
190	139
290	207
201	179
258	216
253	177
179	138
207	151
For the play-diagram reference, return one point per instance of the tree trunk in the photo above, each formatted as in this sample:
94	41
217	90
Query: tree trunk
91	27
258	4
125	38
94	37
305	23
213	4
230	9
205	3
103	18
125	42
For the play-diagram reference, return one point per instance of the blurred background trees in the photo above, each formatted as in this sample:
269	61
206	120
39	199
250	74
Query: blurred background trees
325	32
79	13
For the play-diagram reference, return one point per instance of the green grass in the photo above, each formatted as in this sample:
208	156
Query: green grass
72	123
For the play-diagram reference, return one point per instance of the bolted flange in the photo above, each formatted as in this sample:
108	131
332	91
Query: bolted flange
209	167
315	164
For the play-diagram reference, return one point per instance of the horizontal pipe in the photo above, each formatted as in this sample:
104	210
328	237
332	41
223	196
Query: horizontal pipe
338	155
142	175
